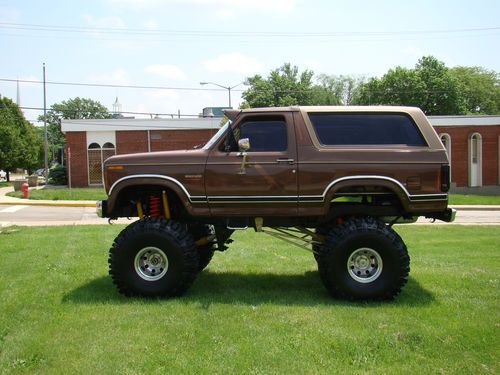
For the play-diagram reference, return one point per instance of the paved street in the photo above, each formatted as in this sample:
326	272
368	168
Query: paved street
42	215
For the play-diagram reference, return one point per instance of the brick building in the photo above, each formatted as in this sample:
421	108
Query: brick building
472	142
90	142
473	145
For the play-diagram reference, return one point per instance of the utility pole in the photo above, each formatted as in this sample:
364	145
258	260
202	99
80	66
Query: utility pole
46	145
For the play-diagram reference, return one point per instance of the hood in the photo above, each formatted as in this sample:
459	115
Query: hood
159	157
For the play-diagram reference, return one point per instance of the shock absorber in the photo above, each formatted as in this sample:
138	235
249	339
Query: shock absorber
154	205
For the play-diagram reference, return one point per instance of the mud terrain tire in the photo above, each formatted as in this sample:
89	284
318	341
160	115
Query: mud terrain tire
153	257
363	259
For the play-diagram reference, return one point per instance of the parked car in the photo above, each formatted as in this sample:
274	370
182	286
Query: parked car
3	175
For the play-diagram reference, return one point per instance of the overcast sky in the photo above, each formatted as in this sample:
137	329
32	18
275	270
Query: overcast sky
178	43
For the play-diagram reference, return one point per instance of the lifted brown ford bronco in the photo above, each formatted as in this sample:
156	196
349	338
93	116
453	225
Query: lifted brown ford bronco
331	179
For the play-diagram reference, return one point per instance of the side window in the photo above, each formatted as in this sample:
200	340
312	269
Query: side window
264	133
363	129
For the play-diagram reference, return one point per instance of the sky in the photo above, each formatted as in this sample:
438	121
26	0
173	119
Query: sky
176	44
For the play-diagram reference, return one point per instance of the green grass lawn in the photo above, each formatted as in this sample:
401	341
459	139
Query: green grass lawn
474	199
79	194
4	184
259	308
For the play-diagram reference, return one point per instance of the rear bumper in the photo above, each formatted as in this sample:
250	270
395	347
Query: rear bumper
101	208
447	216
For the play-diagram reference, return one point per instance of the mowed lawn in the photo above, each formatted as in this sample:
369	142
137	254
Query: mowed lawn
91	194
259	308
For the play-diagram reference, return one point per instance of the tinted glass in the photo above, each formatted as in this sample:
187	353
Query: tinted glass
341	129
265	135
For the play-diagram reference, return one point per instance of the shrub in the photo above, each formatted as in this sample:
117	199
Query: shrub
57	175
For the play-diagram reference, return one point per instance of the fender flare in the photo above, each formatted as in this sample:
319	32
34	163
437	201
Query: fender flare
387	182
167	182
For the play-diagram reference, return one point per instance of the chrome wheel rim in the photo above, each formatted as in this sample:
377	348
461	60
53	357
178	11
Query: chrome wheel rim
151	263
364	265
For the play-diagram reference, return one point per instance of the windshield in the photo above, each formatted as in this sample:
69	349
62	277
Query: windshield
217	135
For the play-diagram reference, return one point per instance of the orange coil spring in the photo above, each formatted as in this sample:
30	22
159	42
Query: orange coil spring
154	206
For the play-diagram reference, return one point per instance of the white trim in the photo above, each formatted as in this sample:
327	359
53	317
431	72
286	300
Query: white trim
105	125
255	198
479	165
447	147
464	120
168	178
375	177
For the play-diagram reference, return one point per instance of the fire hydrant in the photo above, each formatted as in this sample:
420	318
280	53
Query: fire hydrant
24	189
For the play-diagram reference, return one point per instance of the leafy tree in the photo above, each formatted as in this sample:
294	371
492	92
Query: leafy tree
430	86
19	142
337	90
284	86
75	108
399	86
481	89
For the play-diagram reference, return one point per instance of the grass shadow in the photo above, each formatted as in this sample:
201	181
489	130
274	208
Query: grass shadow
253	289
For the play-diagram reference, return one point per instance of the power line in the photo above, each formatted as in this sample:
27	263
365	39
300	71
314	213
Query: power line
113	86
195	88
62	109
209	33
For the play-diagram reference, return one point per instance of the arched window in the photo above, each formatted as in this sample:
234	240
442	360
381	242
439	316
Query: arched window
96	158
475	160
446	141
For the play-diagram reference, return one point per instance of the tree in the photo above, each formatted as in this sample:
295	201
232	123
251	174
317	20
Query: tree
481	89
430	86
399	86
19	142
284	86
75	108
337	90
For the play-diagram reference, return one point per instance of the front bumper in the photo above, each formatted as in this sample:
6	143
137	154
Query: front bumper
101	208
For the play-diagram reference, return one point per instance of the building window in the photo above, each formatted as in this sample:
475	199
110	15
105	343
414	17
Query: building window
446	141
96	158
475	160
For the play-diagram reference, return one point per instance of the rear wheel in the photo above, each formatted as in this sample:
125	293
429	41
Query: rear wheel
363	259
153	257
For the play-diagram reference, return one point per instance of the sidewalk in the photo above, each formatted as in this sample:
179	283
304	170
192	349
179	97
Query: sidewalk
6	200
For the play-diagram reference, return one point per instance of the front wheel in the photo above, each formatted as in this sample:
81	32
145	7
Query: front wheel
153	257
363	259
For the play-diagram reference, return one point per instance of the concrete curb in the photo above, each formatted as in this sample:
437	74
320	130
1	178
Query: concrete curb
477	207
50	203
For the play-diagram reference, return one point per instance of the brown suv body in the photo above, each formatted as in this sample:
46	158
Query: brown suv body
331	180
302	178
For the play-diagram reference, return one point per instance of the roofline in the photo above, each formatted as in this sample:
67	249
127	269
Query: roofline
465	120
140	124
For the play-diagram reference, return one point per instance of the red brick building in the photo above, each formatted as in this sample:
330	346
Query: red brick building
90	142
473	145
472	142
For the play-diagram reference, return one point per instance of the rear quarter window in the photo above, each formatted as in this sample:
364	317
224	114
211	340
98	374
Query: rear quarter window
366	129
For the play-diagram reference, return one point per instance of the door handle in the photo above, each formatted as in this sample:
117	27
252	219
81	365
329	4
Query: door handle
287	161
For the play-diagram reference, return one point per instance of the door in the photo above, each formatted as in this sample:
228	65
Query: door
266	184
475	162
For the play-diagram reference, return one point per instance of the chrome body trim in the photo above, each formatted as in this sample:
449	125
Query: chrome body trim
282	198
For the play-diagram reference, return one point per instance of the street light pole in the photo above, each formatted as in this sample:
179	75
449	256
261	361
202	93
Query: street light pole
45	128
228	88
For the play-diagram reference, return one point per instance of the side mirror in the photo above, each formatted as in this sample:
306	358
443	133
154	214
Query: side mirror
244	144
